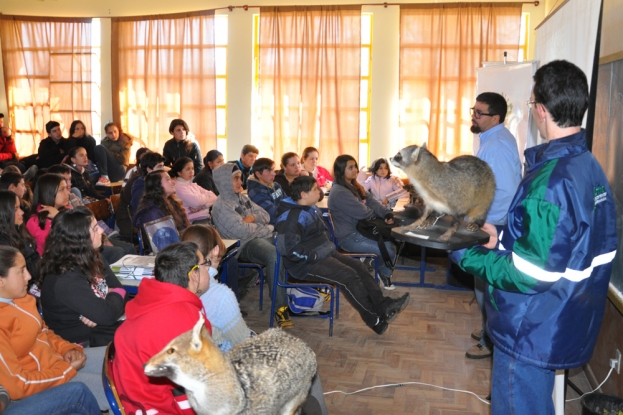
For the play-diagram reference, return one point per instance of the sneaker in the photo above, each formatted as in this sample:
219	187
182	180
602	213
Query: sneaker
282	317
395	307
325	293
103	181
380	327
478	351
387	283
477	334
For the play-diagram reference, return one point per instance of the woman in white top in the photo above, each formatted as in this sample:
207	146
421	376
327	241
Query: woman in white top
196	200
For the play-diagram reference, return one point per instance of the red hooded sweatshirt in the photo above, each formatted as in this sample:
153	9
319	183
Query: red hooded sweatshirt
160	312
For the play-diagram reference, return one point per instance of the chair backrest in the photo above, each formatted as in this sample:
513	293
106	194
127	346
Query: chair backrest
114	202
100	209
161	233
331	228
109	382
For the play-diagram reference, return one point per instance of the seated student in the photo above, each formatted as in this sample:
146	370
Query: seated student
309	160
78	131
237	217
73	398
262	187
35	358
309	255
212	160
165	307
132	192
80	178
290	170
136	170
348	203
54	148
13	182
8	151
13	232
385	187
196	200
181	145
219	301
159	201
81	297
113	155
245	162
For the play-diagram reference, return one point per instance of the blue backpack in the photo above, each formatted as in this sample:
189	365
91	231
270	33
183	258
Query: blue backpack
304	299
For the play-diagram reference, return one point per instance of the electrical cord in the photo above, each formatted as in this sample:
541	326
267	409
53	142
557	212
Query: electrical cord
588	393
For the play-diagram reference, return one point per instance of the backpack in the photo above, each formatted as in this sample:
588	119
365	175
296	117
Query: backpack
304	299
378	230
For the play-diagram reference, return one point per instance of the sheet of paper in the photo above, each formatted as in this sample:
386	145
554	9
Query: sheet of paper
416	235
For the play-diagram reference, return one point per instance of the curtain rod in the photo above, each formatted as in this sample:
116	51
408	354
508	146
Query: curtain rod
246	7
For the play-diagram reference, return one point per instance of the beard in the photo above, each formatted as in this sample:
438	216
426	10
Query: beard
475	129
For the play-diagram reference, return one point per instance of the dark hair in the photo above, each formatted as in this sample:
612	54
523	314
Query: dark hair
175	123
377	165
11	168
154	193
339	168
18	236
10	178
286	157
141	152
249	148
74	124
301	184
562	88
1	115
179	165
496	102
205	237
45	194
72	153
112	124
308	150
149	161
261	164
8	255
59	169
68	247
174	263
210	157
51	124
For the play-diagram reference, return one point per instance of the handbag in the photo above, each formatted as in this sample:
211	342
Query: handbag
378	230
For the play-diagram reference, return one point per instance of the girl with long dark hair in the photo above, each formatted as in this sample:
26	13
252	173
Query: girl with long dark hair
78	131
82	298
212	160
80	178
348	203
181	145
159	201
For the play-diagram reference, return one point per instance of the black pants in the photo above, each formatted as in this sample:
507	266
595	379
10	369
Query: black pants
355	282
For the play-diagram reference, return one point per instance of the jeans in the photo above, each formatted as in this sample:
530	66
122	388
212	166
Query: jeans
520	388
91	374
263	252
107	164
356	242
355	282
72	398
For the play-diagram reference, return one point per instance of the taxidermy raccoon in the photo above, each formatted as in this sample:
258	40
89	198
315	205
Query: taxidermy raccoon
464	186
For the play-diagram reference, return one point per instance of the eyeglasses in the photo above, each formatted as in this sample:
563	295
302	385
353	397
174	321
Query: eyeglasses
205	263
477	113
531	104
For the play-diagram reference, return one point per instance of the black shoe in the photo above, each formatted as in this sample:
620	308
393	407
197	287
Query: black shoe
380	327
395	307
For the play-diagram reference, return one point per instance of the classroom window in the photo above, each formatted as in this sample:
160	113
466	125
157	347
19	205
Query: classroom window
220	44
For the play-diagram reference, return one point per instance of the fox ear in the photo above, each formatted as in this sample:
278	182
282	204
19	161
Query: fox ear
195	341
423	146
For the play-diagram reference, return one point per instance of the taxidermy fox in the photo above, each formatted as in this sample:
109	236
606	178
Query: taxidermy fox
464	186
267	374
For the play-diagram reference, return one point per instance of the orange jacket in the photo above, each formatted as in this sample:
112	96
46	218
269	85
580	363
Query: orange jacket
31	355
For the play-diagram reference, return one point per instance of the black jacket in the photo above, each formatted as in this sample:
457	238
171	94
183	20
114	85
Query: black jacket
88	143
205	180
30	254
82	182
174	150
51	153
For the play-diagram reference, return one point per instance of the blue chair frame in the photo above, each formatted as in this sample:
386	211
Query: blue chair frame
260	270
334	293
108	382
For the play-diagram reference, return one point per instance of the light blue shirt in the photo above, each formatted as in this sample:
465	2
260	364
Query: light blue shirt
498	148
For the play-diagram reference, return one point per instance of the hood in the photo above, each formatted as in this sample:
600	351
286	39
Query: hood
252	182
154	294
287	204
222	178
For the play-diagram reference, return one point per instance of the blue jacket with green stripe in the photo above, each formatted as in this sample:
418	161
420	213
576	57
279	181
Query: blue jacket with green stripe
548	280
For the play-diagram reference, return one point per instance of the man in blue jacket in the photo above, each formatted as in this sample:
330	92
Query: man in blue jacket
548	280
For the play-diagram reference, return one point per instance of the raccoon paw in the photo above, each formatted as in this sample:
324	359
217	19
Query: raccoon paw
472	227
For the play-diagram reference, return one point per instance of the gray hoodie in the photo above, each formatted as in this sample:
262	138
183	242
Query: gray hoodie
230	208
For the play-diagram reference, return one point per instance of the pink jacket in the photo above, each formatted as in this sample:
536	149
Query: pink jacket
39	234
383	188
196	197
322	175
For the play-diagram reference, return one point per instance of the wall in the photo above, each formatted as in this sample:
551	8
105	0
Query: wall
385	56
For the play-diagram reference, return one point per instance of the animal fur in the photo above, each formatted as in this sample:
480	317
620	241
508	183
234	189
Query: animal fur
464	186
265	375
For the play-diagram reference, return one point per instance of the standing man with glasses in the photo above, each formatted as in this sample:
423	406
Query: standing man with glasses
548	279
498	148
